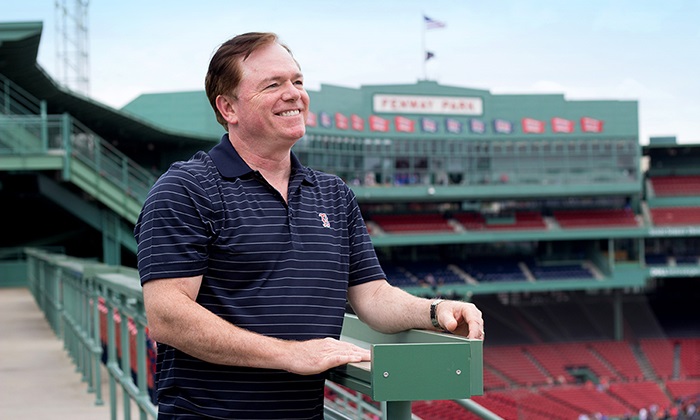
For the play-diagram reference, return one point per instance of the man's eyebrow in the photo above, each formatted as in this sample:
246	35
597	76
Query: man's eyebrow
298	75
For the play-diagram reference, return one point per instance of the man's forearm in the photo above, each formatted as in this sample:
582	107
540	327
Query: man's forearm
198	332
389	309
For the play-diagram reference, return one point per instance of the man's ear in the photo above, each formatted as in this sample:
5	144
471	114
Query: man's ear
225	106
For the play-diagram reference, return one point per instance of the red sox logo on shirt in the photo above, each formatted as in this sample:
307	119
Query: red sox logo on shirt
324	219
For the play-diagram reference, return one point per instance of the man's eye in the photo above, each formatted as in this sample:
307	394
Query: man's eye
299	82
273	85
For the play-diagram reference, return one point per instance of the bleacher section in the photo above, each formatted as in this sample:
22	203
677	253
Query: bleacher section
659	352
595	218
683	389
675	216
587	400
522	220
675	185
488	269
412	223
485	269
690	357
639	394
620	356
518	221
559	271
513	363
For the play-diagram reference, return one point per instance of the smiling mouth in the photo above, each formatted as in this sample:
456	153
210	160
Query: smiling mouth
289	113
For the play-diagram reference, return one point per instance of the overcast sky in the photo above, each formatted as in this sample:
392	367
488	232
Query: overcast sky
645	50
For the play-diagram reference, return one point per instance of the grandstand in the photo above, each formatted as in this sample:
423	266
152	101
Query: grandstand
580	246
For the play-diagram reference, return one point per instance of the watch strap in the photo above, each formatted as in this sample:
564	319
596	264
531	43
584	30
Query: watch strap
433	313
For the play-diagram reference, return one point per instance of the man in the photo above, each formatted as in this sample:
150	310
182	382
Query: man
247	257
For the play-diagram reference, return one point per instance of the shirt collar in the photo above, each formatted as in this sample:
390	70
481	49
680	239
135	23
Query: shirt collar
231	165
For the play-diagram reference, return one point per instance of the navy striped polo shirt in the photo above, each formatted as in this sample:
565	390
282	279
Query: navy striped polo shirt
279	269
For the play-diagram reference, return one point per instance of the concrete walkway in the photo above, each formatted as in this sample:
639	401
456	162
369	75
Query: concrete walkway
38	380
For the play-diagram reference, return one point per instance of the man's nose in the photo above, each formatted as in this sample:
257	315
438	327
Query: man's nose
291	92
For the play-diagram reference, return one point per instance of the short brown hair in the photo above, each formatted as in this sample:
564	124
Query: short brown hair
224	73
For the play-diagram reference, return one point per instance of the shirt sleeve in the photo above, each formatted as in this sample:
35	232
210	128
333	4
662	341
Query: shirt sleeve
173	230
364	264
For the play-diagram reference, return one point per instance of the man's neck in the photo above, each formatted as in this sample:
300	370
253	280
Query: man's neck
274	165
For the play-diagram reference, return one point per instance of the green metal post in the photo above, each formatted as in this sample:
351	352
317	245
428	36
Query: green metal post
617	316
111	353
44	126
141	360
66	134
125	356
398	410
111	250
97	345
6	96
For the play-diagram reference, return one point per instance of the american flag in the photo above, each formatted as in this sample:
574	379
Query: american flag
358	123
562	125
404	124
429	125
432	23
341	121
502	126
378	123
591	125
477	126
325	119
453	126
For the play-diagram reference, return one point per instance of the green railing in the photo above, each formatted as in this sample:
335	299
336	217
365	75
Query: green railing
27	131
97	310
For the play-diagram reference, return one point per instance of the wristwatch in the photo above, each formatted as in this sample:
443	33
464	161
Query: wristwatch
433	313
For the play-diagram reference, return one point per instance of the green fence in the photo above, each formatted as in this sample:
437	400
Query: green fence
98	312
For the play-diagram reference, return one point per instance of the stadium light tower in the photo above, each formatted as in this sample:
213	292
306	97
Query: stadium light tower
72	57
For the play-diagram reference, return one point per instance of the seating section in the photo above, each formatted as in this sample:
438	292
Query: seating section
620	356
676	185
538	405
412	223
398	276
559	271
494	269
690	357
431	274
587	399
513	363
656	259
493	380
659	352
558	358
682	389
596	218
531	392
675	216
483	269
639	394
522	220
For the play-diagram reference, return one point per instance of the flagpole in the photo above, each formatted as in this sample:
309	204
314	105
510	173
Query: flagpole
425	51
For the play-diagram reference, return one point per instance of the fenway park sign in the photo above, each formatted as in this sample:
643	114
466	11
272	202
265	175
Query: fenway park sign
409	104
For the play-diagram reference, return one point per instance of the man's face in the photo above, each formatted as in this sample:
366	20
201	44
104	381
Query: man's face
272	103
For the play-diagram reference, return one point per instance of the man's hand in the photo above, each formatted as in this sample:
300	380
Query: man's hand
316	356
461	318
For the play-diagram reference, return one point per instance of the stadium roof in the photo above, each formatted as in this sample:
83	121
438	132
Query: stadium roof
19	45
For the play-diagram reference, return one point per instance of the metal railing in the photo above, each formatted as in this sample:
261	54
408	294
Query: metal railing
98	312
26	130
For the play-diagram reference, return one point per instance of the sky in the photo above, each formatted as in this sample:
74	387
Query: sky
643	50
